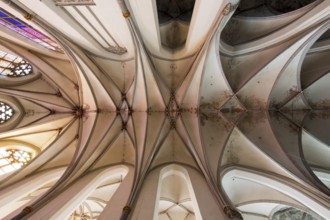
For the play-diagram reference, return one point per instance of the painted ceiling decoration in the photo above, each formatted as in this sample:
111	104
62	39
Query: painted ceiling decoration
164	109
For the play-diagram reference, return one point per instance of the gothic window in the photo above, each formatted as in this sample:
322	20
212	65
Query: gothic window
13	66
6	112
292	213
10	21
13	159
83	212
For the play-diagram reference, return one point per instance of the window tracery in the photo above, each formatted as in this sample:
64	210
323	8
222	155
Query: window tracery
10	21
13	66
82	213
6	112
293	213
13	159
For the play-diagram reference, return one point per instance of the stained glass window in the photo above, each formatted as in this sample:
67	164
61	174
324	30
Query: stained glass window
293	214
82	213
13	66
15	24
6	112
13	159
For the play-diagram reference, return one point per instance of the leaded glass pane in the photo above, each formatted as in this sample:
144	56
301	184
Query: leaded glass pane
13	66
13	159
2	54
293	214
16	24
6	112
83	213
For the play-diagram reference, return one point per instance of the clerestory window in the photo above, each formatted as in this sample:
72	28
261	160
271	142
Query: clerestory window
13	159
10	21
293	213
13	66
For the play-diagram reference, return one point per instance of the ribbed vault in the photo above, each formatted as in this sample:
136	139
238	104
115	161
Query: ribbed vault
168	110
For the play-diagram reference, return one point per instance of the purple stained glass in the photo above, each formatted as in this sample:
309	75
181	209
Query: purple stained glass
15	24
13	21
48	41
4	22
35	33
24	33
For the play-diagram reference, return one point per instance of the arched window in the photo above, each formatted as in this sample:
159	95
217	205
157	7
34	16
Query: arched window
13	66
97	200
13	159
84	212
293	213
10	21
6	112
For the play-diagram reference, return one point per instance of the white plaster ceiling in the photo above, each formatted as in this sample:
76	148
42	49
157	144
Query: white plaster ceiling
245	91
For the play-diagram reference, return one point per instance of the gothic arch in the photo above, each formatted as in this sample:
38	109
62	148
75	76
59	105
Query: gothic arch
269	186
70	199
150	195
30	74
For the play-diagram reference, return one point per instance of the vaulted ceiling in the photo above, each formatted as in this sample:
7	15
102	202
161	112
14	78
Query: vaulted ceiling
169	109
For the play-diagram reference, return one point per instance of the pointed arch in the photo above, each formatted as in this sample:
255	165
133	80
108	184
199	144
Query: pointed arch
81	190
175	195
12	197
157	193
236	180
15	154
